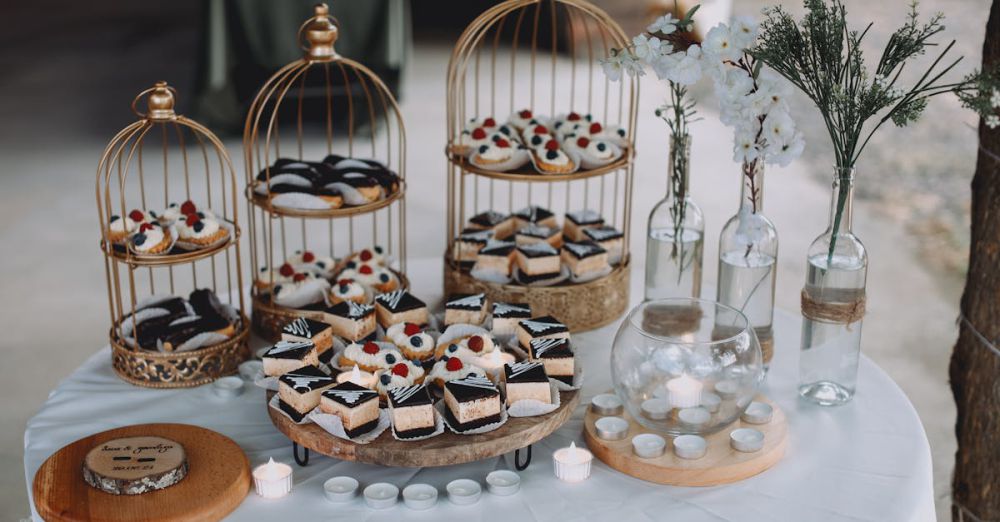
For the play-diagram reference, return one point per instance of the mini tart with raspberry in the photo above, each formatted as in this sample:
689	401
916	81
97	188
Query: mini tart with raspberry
470	140
451	368
310	261
369	256
594	152
403	373
399	332
120	227
385	281
522	118
417	347
471	346
201	229
551	159
536	135
267	277
151	238
498	151
347	289
370	356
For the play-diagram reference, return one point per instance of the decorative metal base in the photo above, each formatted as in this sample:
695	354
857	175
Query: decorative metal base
304	459
518	465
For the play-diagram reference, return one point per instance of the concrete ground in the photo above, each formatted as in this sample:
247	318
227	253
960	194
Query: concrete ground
53	281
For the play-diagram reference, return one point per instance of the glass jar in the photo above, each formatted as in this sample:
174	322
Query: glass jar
748	253
674	376
833	304
675	233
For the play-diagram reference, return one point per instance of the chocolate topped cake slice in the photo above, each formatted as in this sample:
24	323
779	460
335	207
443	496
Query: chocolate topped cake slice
535	215
351	320
556	356
501	224
506	316
470	242
610	239
299	390
286	356
526	380
495	257
412	411
472	402
537	234
356	406
579	220
302	329
540	328
538	259
467	309
584	258
400	306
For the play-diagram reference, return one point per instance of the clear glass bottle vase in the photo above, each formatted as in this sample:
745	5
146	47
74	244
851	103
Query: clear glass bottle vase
675	233
748	251
833	304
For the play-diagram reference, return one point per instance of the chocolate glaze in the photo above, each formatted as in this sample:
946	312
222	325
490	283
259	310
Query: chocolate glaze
471	388
511	310
305	328
466	302
350	394
533	214
407	396
488	219
540	249
497	248
524	371
583	249
602	233
399	301
545	325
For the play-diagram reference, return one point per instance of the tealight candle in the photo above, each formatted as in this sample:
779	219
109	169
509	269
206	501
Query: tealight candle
228	387
381	495
572	464
611	428
757	413
357	376
655	409
272	480
648	445
711	402
690	446
503	482
420	496
685	391
464	491
340	489
493	361
249	370
694	417
606	404
727	389
747	440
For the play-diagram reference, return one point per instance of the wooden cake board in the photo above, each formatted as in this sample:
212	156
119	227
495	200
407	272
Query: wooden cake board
217	481
720	465
445	449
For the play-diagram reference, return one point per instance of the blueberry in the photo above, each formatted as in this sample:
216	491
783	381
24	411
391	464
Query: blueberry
390	358
559	124
277	289
621	132
351	264
385	378
601	147
587	117
416	341
551	155
320	264
198	226
496	138
384	278
344	289
536	140
263	269
452	348
115	218
533	121
483	149
201	215
445	358
139	239
378	250
505	129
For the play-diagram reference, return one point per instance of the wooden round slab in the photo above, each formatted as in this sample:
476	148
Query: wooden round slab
443	450
217	481
720	465
135	465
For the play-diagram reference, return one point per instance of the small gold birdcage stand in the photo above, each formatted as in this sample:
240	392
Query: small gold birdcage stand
497	69
190	164
374	129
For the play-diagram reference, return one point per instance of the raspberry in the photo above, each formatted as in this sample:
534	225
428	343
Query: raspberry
370	348
573	116
286	270
476	343
344	282
502	143
308	256
411	329
582	142
595	128
365	269
145	226
188	208
552	145
299	277
454	364
478	134
366	255
541	129
525	114
489	122
191	219
136	215
401	370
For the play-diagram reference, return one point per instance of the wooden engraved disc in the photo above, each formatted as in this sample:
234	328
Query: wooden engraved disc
135	465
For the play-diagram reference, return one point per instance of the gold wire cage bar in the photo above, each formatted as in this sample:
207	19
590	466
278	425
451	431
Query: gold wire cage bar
162	159
504	62
358	117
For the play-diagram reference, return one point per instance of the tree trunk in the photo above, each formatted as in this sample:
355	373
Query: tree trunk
975	368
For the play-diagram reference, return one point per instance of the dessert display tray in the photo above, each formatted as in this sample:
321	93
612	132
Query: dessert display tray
580	306
445	449
528	173
720	465
218	480
264	202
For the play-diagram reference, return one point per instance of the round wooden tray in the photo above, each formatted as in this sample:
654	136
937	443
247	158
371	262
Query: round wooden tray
721	465
583	306
445	449
218	480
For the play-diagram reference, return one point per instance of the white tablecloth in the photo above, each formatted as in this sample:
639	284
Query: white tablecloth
869	460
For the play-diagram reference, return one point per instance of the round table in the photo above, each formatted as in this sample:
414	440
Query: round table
869	460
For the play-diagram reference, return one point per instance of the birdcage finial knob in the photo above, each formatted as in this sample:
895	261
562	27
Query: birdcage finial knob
160	100
321	32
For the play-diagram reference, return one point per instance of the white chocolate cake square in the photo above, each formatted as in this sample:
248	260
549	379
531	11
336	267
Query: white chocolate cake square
526	380
351	320
472	402
356	406
400	306
465	309
286	356
502	225
496	257
299	390
537	259
412	411
546	327
576	221
507	315
609	238
469	242
584	257
302	329
556	356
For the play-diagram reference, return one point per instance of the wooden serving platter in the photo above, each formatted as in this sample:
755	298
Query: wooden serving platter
720	465
217	481
445	449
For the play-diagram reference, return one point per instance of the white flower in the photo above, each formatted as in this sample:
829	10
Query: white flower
631	66
744	31
664	65
665	24
783	152
646	49
719	42
612	67
687	71
778	126
750	227
745	145
995	99
993	121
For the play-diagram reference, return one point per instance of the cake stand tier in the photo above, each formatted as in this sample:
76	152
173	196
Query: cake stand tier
445	449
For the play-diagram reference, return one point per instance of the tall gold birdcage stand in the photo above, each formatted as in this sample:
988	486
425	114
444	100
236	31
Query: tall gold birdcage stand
329	95
161	337
502	65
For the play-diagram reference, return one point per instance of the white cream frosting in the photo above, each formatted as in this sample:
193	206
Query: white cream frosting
354	289
561	158
154	236
414	373
122	224
356	353
440	371
495	153
210	228
594	151
426	346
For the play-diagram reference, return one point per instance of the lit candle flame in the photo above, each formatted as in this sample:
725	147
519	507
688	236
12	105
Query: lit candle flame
356	375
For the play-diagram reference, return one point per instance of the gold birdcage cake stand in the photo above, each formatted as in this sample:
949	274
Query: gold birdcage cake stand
536	60
326	107
166	204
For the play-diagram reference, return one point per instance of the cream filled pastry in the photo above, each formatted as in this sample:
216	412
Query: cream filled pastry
418	347
451	368
303	290
346	289
521	118
200	228
499	151
471	139
151	239
472	346
267	276
309	261
550	159
370	356
403	373
536	135
120	227
398	332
